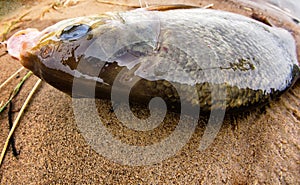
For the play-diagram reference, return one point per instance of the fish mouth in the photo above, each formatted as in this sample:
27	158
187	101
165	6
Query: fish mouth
23	41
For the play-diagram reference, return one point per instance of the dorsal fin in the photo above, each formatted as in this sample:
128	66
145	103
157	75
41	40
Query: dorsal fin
169	7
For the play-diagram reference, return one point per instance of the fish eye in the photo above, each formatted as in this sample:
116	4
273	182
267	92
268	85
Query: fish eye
74	32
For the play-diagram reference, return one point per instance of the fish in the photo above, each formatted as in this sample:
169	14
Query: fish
201	57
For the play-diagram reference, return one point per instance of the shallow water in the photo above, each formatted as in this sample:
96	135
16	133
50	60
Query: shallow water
286	7
290	6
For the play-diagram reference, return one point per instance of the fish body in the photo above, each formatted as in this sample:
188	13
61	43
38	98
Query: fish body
179	55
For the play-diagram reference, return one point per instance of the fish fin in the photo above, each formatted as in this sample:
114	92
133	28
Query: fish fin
170	7
261	18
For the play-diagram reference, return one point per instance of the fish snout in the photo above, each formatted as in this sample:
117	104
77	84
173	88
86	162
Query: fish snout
22	41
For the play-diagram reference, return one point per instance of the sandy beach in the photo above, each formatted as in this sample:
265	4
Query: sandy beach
257	147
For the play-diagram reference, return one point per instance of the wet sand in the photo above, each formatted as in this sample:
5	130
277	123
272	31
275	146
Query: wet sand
258	147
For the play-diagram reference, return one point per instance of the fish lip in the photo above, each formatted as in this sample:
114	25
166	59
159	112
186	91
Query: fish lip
30	61
22	42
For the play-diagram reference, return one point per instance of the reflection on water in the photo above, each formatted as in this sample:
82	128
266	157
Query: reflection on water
290	8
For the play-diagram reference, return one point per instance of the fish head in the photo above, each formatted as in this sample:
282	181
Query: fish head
54	53
56	47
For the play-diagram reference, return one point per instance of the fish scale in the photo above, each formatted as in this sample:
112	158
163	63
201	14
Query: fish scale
171	54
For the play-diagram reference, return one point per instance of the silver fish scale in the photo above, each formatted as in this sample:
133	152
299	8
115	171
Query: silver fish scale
194	54
216	41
